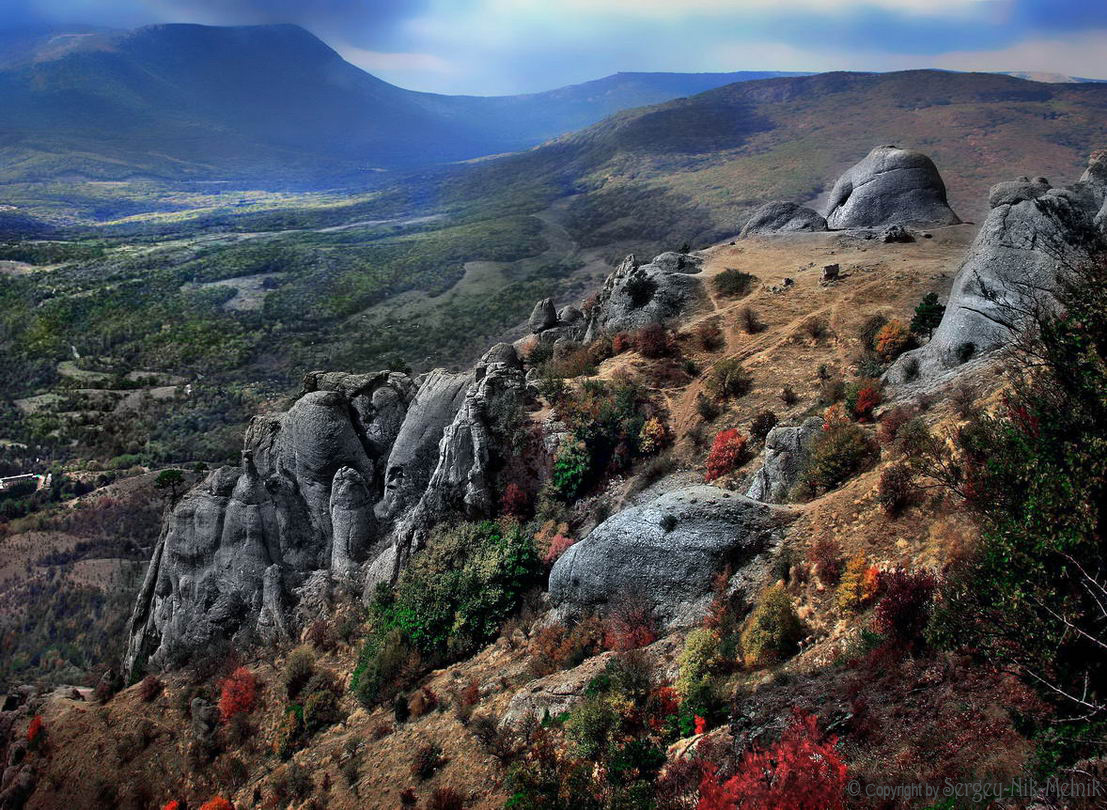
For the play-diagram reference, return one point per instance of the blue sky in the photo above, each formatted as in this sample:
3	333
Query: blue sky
510	46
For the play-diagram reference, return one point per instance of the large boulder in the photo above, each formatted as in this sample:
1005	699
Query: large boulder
667	552
1008	274
891	186
784	456
637	295
783	217
1010	192
543	317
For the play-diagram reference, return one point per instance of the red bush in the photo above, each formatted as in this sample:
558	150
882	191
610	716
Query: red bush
651	341
559	544
515	502
905	609
629	626
34	730
701	725
801	772
621	343
218	803
150	688
726	453
172	805
826	556
867	399
238	694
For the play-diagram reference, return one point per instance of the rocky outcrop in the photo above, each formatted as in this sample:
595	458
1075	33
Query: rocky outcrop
667	553
891	186
543	317
783	217
784	455
1011	192
636	295
1008	275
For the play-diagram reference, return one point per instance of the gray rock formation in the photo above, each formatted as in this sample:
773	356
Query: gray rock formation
783	217
543	317
891	186
783	458
636	295
1010	192
666	552
1007	275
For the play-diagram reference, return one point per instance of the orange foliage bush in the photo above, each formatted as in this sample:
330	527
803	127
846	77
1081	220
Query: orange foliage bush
726	453
891	340
629	627
218	803
835	416
239	692
803	771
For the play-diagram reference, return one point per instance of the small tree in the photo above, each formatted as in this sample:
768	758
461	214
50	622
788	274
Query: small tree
726	453
928	315
238	694
728	379
891	341
172	480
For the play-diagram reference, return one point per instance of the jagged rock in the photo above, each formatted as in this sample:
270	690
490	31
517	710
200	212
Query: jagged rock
673	262
783	217
543	317
1095	176
1010	192
569	315
1009	272
896	233
636	295
665	552
16	786
783	458
461	484
556	693
352	519
890	186
205	718
415	452
500	353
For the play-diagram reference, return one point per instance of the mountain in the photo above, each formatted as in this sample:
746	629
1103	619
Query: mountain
191	101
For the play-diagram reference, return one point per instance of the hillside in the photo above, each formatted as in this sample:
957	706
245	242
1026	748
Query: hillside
270	103
738	526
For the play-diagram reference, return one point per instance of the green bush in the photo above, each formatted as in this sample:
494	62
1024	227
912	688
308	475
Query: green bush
571	467
298	671
728	379
321	710
452	598
699	658
733	283
837	455
772	631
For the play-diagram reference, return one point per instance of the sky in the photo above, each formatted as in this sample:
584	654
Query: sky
489	47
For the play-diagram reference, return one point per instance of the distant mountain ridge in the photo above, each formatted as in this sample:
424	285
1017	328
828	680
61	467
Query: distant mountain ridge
189	101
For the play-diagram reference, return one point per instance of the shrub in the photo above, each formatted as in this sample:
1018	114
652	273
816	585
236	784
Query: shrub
706	408
298	671
831	389
630	625
652	341
788	396
320	635
515	502
386	664
622	342
815	327
35	732
149	688
653	437
869	331
423	702
571	467
640	290
803	771
238	694
861	397
772	631
858	584
320	711
733	283
728	379
559	544
892	340
826	557
218	803
445	798
289	734
837	454
710	336
749	322
928	315
897	488
762	424
913	439
172	805
699	659
727	452
891	422
903	612
963	398
426	760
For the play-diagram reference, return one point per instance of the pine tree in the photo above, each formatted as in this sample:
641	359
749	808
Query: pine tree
928	314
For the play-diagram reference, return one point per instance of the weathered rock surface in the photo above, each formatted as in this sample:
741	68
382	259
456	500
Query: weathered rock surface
891	186
783	217
1010	192
783	458
543	317
1009	272
665	552
636	295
